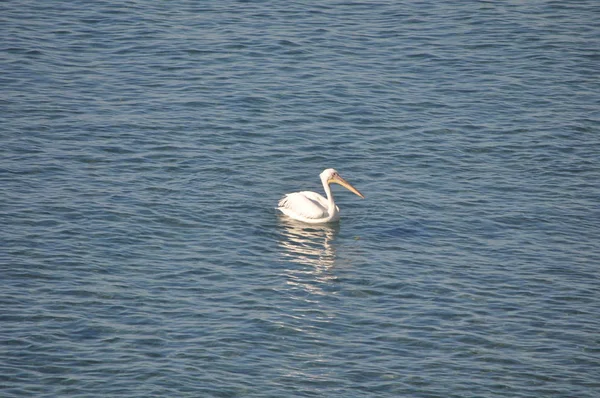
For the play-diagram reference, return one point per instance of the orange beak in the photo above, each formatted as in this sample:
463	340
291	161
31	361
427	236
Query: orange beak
339	180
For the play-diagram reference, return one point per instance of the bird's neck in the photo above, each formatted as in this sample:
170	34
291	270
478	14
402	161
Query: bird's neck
330	201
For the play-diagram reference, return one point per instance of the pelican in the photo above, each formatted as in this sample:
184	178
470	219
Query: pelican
310	207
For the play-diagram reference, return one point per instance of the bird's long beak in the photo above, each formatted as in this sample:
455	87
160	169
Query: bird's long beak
345	184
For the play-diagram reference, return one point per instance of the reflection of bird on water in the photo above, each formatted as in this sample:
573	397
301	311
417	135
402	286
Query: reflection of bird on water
309	244
310	207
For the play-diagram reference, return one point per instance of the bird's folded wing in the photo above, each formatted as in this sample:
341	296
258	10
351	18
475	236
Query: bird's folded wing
300	204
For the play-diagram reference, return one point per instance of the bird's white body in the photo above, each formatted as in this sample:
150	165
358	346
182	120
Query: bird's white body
310	207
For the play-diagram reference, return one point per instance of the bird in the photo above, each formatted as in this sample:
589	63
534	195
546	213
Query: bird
312	208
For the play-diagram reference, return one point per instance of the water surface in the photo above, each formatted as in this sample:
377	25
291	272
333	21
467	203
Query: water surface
144	147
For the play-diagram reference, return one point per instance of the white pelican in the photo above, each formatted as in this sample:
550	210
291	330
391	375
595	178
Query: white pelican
310	207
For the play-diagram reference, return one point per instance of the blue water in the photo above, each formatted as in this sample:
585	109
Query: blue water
144	146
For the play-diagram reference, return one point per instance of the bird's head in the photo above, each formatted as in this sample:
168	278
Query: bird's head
331	176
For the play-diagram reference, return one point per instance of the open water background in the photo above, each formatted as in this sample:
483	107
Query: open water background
144	146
